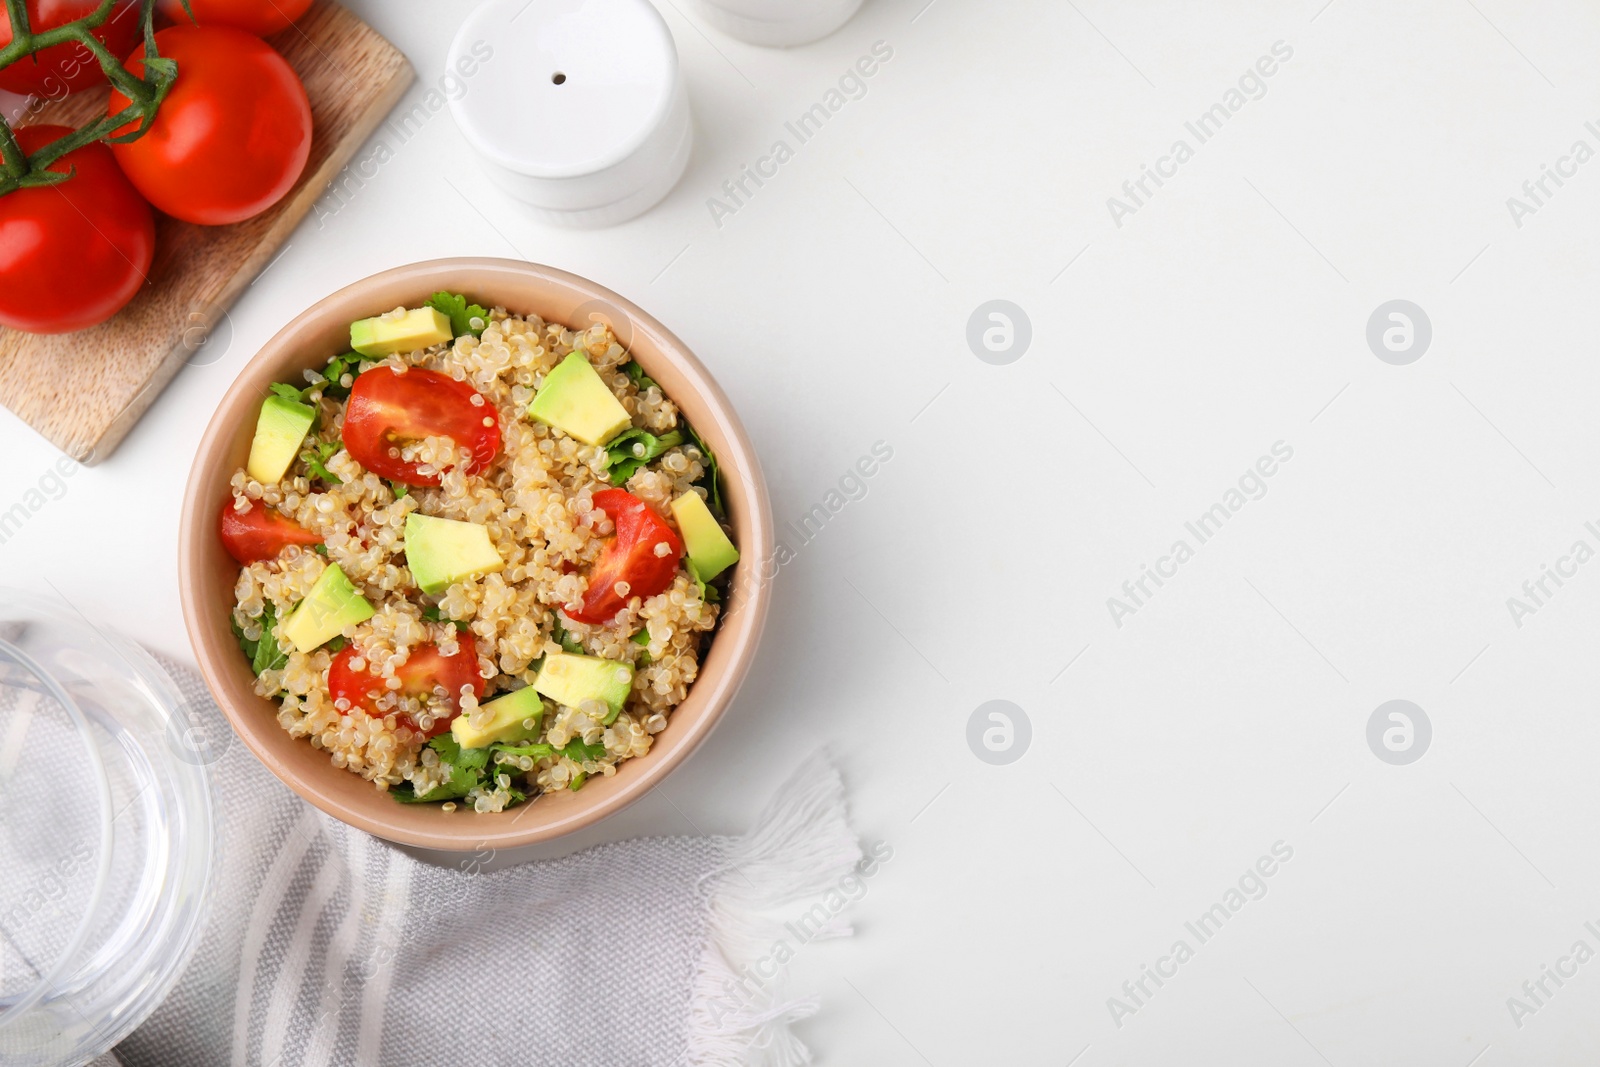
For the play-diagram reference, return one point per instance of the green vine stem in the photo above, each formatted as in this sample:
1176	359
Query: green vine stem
19	171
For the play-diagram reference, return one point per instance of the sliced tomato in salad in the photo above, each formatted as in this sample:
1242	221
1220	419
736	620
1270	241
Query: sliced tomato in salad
387	410
259	532
632	556
422	675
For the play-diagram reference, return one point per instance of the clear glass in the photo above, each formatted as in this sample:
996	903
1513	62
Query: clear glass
107	843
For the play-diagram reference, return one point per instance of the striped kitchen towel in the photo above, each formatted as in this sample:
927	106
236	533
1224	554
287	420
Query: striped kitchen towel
325	946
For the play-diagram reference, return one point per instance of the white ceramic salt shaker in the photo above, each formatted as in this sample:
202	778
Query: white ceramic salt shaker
776	23
576	107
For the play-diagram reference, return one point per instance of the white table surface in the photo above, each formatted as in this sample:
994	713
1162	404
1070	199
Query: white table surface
1226	314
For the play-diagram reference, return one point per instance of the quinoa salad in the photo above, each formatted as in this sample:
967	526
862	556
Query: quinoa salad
480	555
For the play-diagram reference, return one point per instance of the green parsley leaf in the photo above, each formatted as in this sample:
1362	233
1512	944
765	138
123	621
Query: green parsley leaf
406	794
316	460
320	549
568	641
433	614
708	592
288	392
636	374
327	380
247	645
400	489
632	449
577	751
461	313
466	772
451	752
268	656
470	768
711	479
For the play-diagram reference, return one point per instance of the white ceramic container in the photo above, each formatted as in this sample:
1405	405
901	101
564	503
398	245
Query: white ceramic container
576	107
776	23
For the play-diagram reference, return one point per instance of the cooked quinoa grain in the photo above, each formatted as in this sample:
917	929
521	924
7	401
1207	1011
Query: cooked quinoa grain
536	500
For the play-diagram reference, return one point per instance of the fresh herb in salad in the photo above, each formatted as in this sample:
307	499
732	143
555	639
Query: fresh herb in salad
329	381
263	653
563	637
470	768
433	614
316	460
576	751
461	314
711	481
713	476
637	375
476	768
634	448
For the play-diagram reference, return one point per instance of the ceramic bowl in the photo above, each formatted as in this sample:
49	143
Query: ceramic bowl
207	573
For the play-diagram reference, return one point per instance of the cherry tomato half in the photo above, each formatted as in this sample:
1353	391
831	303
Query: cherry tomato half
66	68
420	675
260	532
630	556
387	410
259	17
72	254
233	134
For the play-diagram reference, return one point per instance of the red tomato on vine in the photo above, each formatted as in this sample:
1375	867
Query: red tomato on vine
260	17
65	68
72	254
233	134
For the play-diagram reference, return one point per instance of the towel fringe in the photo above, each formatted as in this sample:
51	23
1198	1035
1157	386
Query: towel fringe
800	846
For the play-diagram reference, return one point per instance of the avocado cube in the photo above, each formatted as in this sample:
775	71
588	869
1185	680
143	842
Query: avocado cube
280	428
575	400
570	679
709	548
332	606
441	552
384	335
510	712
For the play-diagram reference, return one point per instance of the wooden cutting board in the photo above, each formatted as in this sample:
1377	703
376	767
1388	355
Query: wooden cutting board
84	391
